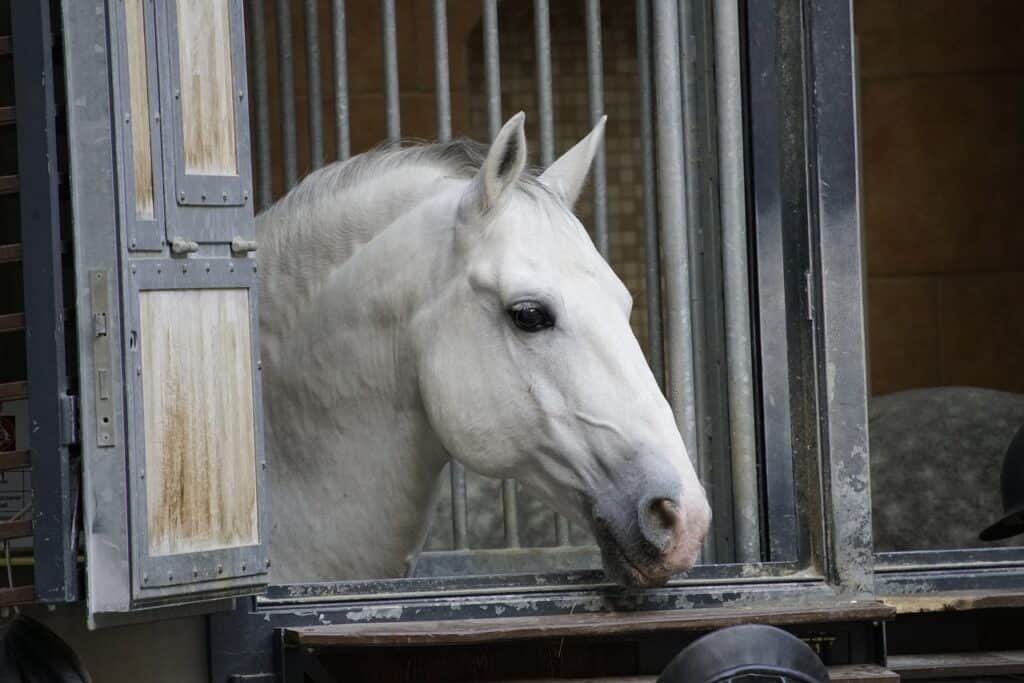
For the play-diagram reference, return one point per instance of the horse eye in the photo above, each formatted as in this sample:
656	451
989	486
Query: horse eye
530	316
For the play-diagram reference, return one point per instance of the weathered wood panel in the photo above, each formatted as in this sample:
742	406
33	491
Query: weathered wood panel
138	86
200	447
207	104
470	631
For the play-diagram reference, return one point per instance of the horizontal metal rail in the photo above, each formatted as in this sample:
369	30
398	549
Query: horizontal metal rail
19	595
21	528
7	115
9	184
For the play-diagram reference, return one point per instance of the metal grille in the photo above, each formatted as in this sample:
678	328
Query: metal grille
670	185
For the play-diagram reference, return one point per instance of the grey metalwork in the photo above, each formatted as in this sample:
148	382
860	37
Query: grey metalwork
144	234
492	84
595	98
492	67
442	84
546	122
732	196
545	115
672	221
286	75
652	272
692	183
314	99
389	46
121	575
456	472
94	204
55	575
264	179
341	127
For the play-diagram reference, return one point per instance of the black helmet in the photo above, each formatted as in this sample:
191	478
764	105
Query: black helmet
1012	484
749	652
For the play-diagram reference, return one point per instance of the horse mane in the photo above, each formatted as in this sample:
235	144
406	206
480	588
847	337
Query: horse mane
337	209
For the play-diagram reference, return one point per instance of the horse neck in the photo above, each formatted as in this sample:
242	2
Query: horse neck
354	460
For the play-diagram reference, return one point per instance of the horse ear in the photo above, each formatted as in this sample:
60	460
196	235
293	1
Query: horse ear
500	171
566	176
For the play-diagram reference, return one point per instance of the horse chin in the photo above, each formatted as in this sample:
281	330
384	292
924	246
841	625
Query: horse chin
622	569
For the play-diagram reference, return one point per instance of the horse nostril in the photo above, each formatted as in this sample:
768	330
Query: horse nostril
664	512
659	518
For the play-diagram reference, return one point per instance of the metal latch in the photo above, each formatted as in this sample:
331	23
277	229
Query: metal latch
99	286
240	246
183	246
68	420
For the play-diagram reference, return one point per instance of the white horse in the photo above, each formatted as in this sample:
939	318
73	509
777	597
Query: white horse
438	301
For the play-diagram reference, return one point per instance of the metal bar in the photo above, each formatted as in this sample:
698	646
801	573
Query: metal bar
315	98
286	75
389	45
693	151
56	578
492	67
655	341
546	120
19	529
732	198
264	177
595	98
7	116
836	211
672	219
341	122
442	83
460	518
18	595
492	80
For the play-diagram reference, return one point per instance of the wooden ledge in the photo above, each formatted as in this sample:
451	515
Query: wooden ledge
962	665
470	631
953	601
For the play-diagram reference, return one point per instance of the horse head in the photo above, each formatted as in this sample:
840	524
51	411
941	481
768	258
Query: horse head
528	368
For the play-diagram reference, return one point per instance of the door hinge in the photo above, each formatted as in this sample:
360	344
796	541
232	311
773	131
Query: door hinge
68	420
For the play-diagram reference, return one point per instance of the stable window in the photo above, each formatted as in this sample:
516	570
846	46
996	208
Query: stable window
941	154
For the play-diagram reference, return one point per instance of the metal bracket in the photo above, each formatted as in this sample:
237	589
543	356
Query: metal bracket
183	246
240	246
68	420
99	281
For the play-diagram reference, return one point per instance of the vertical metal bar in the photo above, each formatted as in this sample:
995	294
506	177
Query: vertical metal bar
257	24
492	68
55	575
341	123
595	98
460	517
692	149
546	120
314	99
492	80
442	83
732	175
656	350
287	77
672	219
390	48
